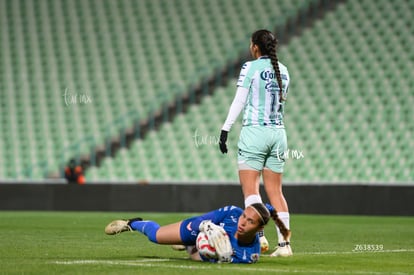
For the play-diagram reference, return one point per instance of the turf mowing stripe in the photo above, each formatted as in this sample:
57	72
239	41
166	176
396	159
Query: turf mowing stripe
252	269
161	263
109	262
263	255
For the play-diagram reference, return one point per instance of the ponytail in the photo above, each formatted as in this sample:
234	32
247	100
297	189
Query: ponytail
282	228
267	44
267	211
275	63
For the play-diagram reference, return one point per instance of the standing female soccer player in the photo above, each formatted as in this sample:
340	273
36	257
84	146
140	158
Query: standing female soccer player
261	91
241	228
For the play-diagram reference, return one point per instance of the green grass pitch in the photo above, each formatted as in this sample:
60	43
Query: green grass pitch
74	243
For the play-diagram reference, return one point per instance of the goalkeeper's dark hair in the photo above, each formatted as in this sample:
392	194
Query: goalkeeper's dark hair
267	44
265	215
263	212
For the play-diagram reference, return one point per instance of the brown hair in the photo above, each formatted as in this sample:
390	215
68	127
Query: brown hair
283	230
267	44
265	214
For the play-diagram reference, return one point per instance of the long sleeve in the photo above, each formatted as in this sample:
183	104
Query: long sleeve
236	107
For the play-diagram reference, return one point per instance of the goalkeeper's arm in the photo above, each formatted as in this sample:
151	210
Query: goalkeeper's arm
215	216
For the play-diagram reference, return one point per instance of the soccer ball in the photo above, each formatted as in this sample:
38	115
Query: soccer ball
204	248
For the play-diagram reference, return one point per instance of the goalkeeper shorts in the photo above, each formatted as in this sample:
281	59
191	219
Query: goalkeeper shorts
262	147
189	228
189	234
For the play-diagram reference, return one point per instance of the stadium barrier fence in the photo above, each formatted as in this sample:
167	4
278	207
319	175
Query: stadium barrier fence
344	199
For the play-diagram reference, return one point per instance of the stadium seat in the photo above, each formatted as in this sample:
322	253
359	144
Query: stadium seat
132	57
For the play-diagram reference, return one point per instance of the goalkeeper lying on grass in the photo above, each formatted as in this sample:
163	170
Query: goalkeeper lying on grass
228	234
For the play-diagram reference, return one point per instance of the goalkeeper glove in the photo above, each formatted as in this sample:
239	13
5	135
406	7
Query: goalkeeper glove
223	248
217	238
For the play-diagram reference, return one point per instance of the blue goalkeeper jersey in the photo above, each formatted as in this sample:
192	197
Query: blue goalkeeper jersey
227	217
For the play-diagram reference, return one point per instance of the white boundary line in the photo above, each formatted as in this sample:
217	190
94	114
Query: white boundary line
245	268
166	263
351	252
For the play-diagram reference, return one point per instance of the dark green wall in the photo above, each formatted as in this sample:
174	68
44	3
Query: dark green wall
303	199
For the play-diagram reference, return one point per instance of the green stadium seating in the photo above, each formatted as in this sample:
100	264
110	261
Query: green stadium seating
124	55
340	113
349	110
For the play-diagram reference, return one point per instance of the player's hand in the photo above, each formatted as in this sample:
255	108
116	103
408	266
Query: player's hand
207	226
218	238
223	248
222	142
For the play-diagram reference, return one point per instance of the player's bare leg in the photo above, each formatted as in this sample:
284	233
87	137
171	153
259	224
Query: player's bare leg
169	234
273	186
250	183
249	180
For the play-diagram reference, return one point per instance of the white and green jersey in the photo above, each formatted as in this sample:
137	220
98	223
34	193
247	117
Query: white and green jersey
263	106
